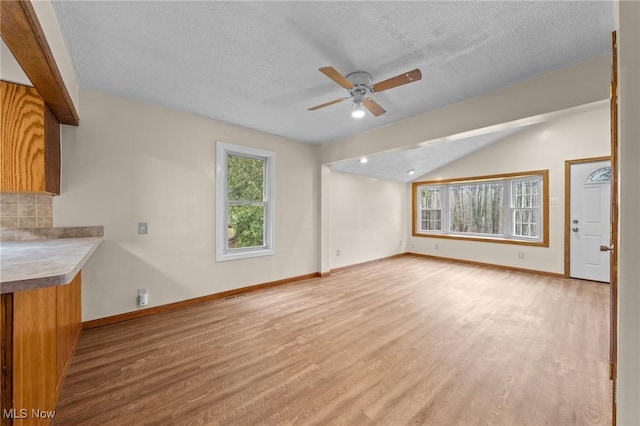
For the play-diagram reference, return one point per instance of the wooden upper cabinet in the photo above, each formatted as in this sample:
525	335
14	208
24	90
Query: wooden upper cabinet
30	142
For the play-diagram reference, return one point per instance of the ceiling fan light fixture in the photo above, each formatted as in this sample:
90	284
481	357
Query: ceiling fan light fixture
357	111
411	172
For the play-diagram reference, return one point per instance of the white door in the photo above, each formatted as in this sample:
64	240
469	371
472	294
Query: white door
590	220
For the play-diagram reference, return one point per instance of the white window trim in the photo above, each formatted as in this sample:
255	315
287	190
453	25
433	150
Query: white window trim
224	254
509	230
443	198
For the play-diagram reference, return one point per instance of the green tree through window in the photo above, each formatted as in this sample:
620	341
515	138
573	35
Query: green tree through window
245	195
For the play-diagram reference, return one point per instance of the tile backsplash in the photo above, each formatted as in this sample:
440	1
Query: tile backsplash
26	210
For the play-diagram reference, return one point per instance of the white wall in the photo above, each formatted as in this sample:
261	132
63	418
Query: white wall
629	229
130	162
367	218
10	70
541	146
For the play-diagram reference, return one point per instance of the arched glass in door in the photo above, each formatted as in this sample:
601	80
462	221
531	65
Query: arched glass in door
601	175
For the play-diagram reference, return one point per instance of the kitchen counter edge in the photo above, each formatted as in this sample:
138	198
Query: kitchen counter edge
91	237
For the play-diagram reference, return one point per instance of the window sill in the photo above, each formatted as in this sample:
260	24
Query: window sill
224	257
542	243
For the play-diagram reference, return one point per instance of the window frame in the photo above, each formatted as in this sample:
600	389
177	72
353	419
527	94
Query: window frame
513	209
443	198
509	210
446	212
223	252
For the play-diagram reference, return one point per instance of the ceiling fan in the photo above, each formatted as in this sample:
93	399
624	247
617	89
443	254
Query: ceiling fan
359	86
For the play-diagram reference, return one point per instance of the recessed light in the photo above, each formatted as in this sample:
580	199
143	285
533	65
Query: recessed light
411	172
363	160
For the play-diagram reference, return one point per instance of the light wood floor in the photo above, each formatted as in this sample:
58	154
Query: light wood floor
403	341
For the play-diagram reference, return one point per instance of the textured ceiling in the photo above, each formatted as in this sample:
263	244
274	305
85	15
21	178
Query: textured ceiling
423	159
256	64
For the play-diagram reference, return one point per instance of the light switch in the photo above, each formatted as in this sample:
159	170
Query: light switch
142	227
554	201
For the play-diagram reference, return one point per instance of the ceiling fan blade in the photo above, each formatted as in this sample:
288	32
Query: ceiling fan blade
334	75
335	101
399	80
373	107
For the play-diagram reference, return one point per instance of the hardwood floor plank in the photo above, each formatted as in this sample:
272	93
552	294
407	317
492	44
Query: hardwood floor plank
404	341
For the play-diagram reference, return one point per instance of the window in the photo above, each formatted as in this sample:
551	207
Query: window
476	208
431	208
245	209
601	175
525	205
504	208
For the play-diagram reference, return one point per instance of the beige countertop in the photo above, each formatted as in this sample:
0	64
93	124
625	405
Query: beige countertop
34	263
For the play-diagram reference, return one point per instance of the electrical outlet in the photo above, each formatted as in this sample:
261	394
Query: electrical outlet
413	246
520	255
436	246
338	252
143	296
142	227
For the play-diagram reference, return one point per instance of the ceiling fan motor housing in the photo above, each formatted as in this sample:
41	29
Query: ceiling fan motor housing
361	81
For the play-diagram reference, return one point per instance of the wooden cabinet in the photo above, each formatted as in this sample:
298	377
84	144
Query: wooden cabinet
29	142
40	329
34	352
68	324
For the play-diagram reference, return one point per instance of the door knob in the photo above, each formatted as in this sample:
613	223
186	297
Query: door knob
575	221
575	229
605	248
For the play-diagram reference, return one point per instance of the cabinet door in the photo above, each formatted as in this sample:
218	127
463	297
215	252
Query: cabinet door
69	323
6	357
34	351
29	141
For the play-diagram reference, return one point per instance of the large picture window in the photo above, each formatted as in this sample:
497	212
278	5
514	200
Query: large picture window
502	208
245	204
